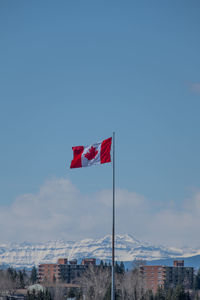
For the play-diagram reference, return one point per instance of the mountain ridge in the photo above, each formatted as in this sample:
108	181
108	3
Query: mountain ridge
127	248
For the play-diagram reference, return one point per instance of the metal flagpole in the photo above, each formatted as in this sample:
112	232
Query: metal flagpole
113	226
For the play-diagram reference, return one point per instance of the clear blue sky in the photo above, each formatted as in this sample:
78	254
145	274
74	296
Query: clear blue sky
72	72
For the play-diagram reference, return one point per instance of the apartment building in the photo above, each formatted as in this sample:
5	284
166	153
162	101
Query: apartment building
63	270
164	276
48	273
153	277
88	261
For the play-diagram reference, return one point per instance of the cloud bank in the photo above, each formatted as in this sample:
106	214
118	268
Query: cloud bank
60	211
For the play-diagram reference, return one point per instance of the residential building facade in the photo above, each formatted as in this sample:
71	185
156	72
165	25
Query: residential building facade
63	270
165	276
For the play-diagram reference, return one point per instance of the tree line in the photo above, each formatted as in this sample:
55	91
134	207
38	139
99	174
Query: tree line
95	284
12	279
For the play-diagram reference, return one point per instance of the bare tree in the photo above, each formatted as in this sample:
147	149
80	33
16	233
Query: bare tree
95	282
7	284
58	292
130	285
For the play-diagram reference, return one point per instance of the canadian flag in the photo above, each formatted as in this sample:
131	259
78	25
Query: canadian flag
98	153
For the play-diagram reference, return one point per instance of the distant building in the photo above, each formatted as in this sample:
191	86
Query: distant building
153	277
88	261
48	272
164	276
179	275
62	261
178	263
63	270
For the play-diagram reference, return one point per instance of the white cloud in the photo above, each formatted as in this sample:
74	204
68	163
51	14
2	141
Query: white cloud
60	211
123	198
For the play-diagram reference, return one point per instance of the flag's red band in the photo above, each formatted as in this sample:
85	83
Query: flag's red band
98	153
105	151
76	162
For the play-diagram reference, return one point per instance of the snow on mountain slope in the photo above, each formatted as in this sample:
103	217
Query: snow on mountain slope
127	249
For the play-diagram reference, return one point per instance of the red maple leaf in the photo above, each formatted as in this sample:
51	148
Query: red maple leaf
92	152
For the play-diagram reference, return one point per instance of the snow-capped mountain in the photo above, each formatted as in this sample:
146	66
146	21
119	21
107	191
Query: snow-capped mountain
128	248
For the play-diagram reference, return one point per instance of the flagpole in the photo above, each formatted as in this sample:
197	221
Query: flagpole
113	226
